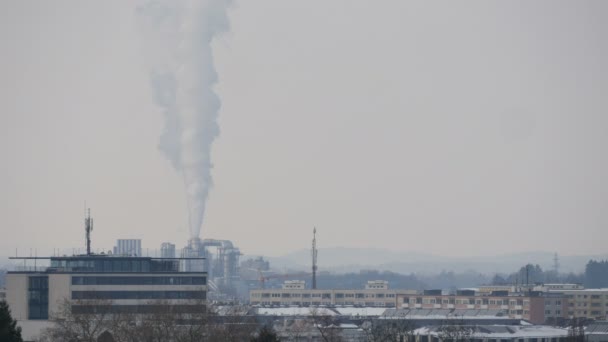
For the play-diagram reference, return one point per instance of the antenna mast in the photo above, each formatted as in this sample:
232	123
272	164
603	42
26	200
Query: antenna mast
314	258
88	228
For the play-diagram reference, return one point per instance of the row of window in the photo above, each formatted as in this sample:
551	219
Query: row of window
138	294
139	309
323	295
124	280
379	304
110	265
469	301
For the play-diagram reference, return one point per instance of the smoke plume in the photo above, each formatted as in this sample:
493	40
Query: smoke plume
177	40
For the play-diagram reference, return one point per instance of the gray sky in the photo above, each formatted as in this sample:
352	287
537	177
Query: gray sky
454	128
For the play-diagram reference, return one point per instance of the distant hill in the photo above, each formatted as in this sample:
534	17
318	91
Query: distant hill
343	259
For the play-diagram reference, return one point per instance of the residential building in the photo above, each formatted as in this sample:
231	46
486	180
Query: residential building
587	303
529	306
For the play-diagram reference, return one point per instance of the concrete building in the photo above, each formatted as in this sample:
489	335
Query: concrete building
122	284
128	247
2	294
294	293
587	303
530	307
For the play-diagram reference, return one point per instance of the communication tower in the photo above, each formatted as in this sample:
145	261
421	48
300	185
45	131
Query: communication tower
314	258
88	228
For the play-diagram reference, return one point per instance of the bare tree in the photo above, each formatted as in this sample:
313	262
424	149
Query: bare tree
576	330
298	329
232	323
162	321
326	324
378	330
85	326
455	330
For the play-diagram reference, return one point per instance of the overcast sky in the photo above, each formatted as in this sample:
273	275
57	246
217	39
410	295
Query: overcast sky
453	128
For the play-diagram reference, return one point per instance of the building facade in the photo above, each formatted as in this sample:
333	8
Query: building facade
98	283
529	307
294	293
587	303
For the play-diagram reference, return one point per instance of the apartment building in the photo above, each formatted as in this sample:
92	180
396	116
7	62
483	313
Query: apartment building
530	307
587	303
375	293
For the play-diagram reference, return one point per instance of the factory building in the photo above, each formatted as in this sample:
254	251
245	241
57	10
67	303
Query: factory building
128	247
93	283
222	267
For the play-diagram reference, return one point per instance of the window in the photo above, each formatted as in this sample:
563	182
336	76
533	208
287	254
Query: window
38	298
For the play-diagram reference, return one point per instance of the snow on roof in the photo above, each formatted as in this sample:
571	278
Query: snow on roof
365	311
504	331
445	314
296	311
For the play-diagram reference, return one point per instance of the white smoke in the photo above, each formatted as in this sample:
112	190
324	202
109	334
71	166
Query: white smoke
177	40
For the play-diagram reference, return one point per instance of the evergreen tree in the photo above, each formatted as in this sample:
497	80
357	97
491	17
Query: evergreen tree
9	331
266	334
596	274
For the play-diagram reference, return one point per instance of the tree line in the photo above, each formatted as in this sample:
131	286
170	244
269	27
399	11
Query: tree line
595	276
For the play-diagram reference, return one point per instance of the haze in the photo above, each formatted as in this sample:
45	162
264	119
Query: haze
452	128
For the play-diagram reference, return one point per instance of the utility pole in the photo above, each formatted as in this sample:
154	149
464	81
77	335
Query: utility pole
314	258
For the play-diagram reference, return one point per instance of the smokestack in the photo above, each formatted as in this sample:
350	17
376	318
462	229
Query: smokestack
178	36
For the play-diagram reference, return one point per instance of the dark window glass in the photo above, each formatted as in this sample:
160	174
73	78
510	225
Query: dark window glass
38	298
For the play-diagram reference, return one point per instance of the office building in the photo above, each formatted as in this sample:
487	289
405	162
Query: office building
94	283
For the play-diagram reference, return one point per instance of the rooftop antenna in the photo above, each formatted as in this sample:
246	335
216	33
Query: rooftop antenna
314	258
88	228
